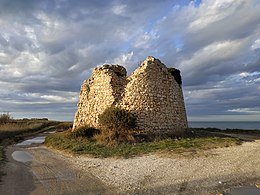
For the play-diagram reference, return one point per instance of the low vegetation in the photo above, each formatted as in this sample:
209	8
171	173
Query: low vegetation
18	127
117	126
12	130
84	145
117	118
83	131
5	118
118	137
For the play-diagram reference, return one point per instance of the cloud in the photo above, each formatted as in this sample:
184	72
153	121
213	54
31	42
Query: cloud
246	110
47	49
218	40
256	45
119	9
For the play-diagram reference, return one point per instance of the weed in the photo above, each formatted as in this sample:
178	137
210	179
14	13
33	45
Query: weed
116	118
84	131
5	118
117	126
64	126
89	146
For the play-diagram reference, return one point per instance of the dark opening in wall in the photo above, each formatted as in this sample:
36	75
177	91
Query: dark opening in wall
176	74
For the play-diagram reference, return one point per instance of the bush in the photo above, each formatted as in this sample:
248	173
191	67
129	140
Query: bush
84	131
64	126
116	118
5	118
116	126
113	137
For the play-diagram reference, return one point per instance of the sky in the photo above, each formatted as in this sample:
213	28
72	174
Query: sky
49	47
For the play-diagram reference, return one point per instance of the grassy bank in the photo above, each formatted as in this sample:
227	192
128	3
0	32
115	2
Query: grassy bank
14	129
83	145
17	129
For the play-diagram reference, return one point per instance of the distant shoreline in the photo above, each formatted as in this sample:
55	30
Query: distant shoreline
245	125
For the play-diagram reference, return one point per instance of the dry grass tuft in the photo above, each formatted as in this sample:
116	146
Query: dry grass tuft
18	126
15	128
84	145
114	137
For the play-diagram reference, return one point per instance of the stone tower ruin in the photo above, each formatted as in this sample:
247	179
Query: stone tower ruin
152	93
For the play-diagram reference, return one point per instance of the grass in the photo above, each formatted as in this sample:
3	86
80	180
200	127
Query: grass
15	130
10	129
82	145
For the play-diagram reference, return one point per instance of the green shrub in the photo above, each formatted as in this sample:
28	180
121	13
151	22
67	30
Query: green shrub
5	118
64	126
84	131
111	137
117	126
184	147
116	118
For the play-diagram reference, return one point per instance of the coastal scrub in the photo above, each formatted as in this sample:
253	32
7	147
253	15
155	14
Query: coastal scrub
83	145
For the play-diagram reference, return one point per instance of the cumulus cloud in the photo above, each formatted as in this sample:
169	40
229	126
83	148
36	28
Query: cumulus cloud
47	48
219	41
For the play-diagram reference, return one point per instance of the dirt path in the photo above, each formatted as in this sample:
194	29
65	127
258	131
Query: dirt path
44	172
212	172
39	171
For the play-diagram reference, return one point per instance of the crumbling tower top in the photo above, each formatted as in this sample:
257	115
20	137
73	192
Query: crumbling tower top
152	93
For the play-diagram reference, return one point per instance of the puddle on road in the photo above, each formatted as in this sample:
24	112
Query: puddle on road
49	132
245	191
36	140
22	156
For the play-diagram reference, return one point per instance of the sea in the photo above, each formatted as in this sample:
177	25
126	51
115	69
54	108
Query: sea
249	125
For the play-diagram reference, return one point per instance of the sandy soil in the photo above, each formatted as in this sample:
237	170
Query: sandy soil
54	172
210	173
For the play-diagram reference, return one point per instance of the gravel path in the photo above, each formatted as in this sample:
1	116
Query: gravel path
54	172
209	173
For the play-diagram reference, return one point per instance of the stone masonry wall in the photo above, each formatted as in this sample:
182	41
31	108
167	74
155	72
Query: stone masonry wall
155	97
151	93
102	90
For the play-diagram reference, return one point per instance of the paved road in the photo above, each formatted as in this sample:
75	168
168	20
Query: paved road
39	171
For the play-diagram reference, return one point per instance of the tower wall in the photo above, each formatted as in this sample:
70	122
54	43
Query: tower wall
151	93
155	97
102	90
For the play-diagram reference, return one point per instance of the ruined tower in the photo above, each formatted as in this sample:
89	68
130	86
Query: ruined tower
152	93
